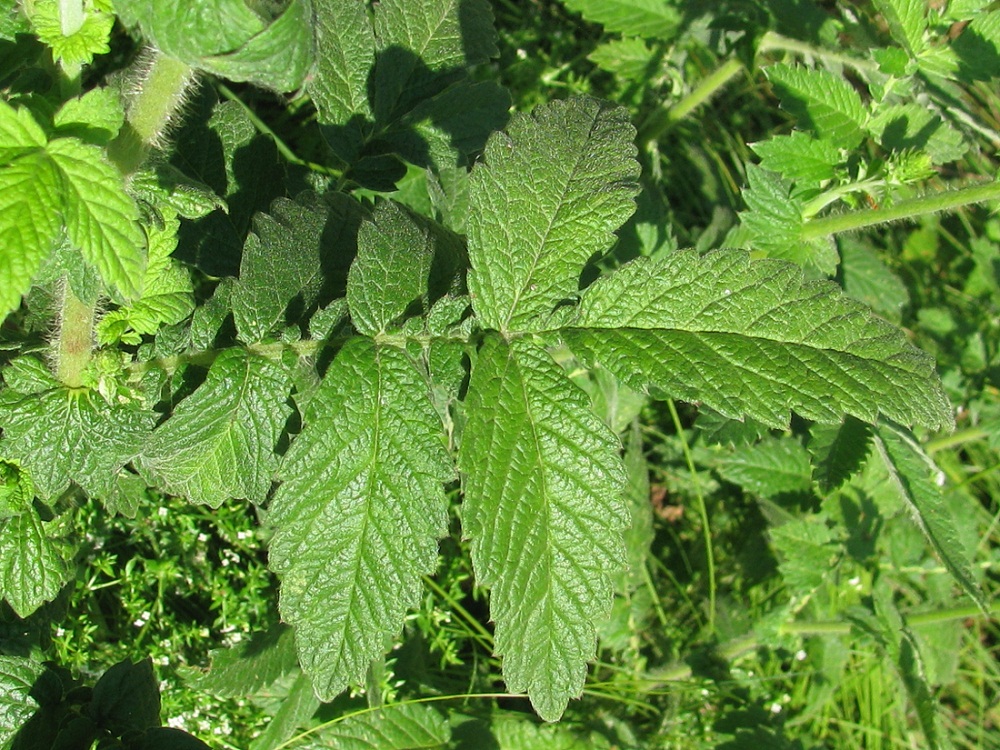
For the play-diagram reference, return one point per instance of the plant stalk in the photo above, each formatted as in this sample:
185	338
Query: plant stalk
947	200
74	340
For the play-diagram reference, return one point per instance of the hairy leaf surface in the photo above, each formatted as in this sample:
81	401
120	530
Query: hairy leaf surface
219	442
544	511
359	511
754	339
548	195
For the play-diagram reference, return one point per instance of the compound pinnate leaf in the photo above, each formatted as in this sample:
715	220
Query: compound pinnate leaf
910	472
644	18
32	568
61	435
822	101
17	678
219	442
753	338
544	511
101	219
549	194
359	511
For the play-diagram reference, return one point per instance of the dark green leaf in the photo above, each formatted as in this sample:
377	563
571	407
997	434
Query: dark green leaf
126	698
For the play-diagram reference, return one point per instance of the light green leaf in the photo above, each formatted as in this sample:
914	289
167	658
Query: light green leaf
17	679
548	195
219	443
631	60
544	511
910	473
406	726
12	23
907	23
821	101
32	569
359	511
101	219
167	293
657	19
978	47
61	435
396	252
19	133
95	117
754	339
425	45
74	38
345	57
770	468
29	224
799	157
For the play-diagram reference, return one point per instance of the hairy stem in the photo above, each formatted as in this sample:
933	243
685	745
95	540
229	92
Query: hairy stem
74	339
908	209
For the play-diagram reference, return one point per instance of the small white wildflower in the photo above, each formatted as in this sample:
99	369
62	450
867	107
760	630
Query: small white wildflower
775	708
162	512
855	582
176	722
203	537
800	655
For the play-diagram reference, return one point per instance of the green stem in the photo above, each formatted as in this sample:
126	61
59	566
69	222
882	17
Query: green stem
662	119
160	95
74	340
772	41
908	209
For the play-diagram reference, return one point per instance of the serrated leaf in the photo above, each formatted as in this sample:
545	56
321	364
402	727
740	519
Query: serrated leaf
219	443
774	218
657	19
754	339
899	127
74	38
838	451
17	491
799	157
167	293
29	224
423	46
294	711
61	435
770	468
630	59
544	512
95	117
910	473
548	195
297	255
19	133
359	511
101	219
32	567
407	726
978	47
247	667
821	101
806	548
396	253
907	23
17	678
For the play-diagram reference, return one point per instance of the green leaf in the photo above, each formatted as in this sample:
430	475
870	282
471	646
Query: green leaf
29	224
101	219
544	512
799	157
167	293
775	221
17	678
548	195
907	23
866	278
32	566
407	726
918	483
12	23
978	47
16	490
61	435
630	59
219	443
773	467
248	667
294	711
425	45
359	511
126	698
807	549
95	117
19	133
658	19
298	255
838	451
396	253
821	101
74	39
900	127
754	339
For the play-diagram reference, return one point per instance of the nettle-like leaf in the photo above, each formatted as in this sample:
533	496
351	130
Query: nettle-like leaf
544	510
907	22
800	157
62	435
17	679
219	443
658	19
406	726
33	567
823	102
75	34
548	195
754	339
359	511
